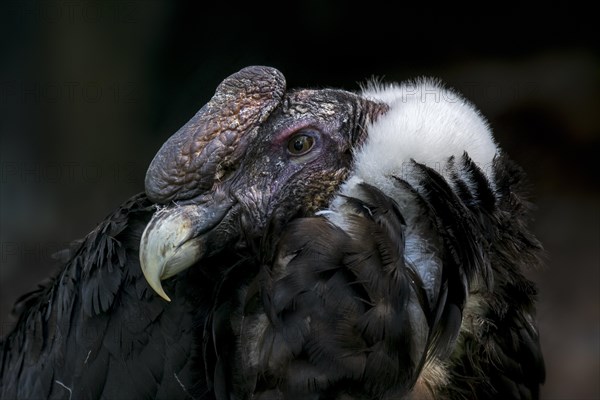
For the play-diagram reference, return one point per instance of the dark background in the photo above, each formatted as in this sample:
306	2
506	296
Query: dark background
89	91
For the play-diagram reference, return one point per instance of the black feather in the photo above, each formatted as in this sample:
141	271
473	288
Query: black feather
97	322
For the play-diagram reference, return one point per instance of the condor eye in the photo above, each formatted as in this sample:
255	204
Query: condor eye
300	144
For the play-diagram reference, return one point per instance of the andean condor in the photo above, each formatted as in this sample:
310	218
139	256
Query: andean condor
299	244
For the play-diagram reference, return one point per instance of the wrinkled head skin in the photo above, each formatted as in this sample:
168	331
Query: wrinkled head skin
253	151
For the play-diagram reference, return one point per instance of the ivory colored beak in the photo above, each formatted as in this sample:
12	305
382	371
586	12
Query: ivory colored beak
169	244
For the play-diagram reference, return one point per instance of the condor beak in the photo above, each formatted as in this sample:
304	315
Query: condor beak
176	238
191	162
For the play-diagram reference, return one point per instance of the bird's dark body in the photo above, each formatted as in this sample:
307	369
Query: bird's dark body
299	307
350	350
97	331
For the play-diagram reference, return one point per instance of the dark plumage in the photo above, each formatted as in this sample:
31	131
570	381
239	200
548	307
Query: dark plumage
313	244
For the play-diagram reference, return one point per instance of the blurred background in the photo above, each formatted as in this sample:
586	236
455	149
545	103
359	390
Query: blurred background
90	90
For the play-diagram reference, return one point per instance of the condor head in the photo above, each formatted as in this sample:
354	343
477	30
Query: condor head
253	151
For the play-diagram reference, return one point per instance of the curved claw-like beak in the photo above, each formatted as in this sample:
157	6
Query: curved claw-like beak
168	245
195	160
175	239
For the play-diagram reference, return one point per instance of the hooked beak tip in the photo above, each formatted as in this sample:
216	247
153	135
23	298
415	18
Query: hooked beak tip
157	286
